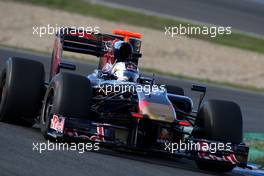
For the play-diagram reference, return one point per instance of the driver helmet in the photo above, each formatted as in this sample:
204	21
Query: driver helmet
122	51
125	71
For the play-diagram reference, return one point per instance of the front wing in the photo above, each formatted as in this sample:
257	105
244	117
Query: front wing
74	129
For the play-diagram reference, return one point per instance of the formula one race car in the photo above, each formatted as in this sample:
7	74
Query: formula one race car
116	106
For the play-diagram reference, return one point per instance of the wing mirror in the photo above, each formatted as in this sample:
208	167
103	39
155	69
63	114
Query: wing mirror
201	89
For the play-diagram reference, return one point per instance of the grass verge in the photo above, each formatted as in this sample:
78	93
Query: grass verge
236	39
255	141
259	161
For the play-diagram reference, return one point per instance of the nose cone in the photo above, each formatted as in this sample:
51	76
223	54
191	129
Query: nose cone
159	112
157	106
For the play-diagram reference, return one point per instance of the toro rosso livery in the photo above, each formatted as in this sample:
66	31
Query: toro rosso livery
116	106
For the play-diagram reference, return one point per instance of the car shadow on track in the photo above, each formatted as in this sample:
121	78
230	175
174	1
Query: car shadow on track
179	163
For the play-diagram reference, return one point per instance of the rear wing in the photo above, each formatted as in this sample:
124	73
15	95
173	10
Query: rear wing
78	41
91	43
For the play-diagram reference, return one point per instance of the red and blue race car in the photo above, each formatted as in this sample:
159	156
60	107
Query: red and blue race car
118	107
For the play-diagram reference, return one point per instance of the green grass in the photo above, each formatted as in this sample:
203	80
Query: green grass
237	40
255	141
259	145
259	161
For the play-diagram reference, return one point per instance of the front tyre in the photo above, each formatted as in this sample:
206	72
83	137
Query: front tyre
68	95
221	121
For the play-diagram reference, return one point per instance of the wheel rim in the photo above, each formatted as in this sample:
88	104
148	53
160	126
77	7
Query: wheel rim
2	92
48	108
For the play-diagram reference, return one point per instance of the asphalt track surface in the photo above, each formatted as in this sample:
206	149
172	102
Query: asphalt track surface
17	156
243	15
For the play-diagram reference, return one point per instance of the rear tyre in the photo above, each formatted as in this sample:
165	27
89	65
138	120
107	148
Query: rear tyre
21	91
221	121
68	95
